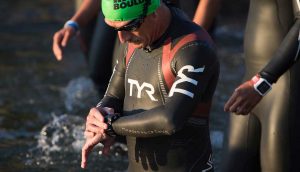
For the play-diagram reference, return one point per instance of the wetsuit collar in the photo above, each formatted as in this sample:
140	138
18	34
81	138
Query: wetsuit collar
160	41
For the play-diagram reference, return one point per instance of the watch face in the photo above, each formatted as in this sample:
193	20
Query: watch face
263	87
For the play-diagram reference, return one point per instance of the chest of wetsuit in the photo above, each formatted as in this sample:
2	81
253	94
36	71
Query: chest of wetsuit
164	127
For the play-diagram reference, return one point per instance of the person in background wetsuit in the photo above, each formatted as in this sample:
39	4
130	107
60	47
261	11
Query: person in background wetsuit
99	42
98	48
160	92
264	127
202	12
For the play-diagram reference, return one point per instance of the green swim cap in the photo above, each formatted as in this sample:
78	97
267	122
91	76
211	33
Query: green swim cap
124	10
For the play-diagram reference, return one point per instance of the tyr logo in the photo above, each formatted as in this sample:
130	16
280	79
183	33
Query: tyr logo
145	86
184	78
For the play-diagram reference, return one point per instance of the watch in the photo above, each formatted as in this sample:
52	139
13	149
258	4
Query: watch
261	85
109	119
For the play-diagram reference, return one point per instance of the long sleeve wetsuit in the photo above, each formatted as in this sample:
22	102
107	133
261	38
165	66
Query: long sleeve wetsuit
166	128
266	139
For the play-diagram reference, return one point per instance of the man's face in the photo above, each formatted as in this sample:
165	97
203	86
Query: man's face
135	31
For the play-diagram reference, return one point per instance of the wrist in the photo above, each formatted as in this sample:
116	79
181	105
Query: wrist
72	24
261	85
109	120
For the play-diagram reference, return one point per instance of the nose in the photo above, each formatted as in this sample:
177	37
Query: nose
123	36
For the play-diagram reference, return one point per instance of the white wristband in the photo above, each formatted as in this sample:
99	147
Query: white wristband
261	85
72	24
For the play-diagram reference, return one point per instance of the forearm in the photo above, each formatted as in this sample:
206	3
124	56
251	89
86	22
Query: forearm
87	11
163	120
285	56
206	12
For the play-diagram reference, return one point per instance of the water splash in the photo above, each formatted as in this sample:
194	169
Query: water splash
59	146
80	93
60	133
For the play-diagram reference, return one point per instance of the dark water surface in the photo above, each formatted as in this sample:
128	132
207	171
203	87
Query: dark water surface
40	130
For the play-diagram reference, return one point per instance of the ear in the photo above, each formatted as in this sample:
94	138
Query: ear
154	15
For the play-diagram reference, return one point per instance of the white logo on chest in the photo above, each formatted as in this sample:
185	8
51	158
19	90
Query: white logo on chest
145	86
184	78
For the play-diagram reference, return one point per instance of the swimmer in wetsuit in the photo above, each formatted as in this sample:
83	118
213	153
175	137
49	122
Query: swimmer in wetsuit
264	138
162	86
202	12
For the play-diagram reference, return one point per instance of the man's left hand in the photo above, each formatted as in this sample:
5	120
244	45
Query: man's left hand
95	133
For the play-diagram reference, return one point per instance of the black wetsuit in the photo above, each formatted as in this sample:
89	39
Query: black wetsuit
268	139
166	129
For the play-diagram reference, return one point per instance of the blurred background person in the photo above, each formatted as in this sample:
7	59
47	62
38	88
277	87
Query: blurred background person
264	127
97	48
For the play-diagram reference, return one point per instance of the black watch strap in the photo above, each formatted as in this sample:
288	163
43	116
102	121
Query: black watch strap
109	119
270	78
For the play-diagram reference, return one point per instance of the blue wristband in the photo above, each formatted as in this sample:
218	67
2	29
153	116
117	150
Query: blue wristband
72	24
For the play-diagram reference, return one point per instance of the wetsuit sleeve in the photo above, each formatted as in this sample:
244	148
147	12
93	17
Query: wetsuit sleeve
114	94
286	55
196	67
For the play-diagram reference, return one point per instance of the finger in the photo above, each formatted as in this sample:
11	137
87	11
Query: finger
83	159
57	52
107	144
96	123
244	108
96	119
94	112
88	146
235	105
247	105
94	129
56	47
66	38
229	103
84	154
250	102
88	134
